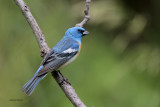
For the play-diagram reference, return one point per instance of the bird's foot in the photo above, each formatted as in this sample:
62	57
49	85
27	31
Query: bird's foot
63	79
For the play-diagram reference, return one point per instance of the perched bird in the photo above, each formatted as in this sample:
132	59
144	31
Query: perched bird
63	53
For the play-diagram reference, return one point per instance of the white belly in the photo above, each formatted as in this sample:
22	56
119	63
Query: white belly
71	60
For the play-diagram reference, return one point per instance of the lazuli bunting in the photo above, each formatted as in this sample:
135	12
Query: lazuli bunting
63	53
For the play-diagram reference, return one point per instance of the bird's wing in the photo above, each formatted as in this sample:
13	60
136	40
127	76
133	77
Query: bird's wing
48	56
55	59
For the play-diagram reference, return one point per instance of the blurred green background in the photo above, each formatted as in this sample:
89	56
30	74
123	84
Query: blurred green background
119	64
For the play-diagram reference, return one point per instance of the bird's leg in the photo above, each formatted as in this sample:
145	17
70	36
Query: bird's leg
64	78
57	74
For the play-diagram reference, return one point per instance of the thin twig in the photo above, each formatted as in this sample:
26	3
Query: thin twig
86	13
65	86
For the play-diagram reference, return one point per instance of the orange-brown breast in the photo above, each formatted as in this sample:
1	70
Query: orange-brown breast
79	48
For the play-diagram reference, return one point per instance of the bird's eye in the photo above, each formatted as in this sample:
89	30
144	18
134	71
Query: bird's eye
80	31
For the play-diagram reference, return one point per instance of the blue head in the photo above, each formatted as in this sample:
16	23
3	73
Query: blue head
76	33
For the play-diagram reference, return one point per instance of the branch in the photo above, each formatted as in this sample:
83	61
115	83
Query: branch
44	49
86	13
60	79
68	90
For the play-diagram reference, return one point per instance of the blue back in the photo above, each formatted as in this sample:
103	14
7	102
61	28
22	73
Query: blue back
65	43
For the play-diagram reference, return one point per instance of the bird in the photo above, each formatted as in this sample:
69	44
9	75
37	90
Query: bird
63	53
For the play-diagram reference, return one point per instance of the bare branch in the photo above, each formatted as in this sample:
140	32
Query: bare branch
65	86
86	13
69	91
35	28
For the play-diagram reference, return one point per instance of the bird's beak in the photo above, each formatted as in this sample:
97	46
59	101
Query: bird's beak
85	33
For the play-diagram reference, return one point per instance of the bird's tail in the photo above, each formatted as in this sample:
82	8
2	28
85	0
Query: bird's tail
29	87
